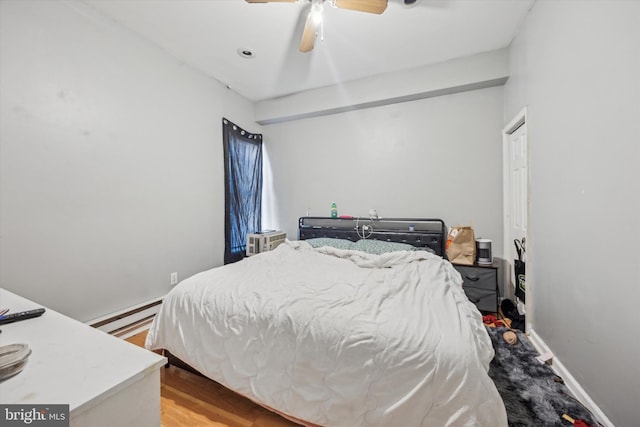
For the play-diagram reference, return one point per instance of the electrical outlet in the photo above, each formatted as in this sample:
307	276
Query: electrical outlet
174	278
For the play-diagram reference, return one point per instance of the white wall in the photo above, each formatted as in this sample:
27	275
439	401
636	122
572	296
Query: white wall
438	157
111	161
576	65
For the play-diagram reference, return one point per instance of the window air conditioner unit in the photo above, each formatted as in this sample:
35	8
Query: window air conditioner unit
264	241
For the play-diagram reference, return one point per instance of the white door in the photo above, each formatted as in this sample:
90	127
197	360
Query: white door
518	183
516	196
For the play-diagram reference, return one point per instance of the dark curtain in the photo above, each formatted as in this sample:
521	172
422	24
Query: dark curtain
243	188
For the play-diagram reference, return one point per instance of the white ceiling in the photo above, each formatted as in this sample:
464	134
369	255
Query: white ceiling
206	34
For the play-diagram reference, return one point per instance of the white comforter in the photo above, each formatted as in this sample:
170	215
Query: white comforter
337	337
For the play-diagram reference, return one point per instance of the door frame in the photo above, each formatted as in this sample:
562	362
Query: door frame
520	119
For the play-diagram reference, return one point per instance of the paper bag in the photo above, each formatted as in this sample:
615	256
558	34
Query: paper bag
461	245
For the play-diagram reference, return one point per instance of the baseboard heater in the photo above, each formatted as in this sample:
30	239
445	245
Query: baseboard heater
129	321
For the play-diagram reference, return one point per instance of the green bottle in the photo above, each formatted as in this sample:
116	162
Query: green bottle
334	210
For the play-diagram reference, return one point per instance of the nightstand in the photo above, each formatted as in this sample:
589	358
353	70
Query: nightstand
104	380
480	283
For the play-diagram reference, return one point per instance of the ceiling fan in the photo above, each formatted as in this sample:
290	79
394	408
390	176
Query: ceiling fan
313	24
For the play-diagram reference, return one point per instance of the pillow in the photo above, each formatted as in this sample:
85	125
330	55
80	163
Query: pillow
426	248
379	247
327	241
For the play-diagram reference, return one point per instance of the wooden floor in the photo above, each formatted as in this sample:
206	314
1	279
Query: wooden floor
191	400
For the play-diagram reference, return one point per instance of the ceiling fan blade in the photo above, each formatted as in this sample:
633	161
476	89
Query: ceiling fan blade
369	6
270	1
309	34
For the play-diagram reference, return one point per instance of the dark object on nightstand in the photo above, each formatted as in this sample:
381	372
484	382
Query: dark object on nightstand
23	315
480	283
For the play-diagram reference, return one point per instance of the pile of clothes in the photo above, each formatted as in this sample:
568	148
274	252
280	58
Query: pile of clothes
508	316
491	321
510	311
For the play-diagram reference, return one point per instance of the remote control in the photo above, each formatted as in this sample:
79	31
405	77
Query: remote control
15	317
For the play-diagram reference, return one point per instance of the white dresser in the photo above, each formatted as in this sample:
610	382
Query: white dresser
105	381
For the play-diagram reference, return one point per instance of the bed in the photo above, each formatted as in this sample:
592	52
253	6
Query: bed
336	330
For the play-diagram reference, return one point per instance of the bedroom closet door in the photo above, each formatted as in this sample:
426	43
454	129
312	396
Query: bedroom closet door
518	184
516	195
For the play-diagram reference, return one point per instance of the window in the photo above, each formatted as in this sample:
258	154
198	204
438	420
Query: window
243	188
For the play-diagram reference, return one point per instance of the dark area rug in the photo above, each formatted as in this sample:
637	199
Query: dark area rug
532	393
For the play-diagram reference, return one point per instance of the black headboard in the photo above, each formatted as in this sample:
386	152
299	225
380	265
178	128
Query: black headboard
418	232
